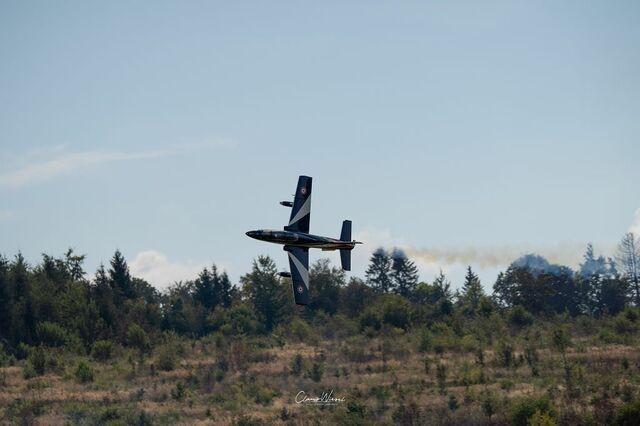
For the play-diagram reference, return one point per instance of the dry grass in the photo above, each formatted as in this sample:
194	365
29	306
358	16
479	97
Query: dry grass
265	388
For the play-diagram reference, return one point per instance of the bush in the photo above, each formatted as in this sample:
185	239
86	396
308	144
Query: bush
23	350
102	350
370	318
52	334
623	325
489	405
236	320
300	331
355	414
628	414
541	419
453	402
297	365
441	376
264	396
396	312
355	349
23	411
409	414
524	409
505	353
179	392
519	316
29	372
167	358
631	313
425	341
137	338
84	372
37	362
316	372
560	338
246	420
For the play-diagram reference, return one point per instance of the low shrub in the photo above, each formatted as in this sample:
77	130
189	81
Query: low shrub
52	334
370	318
408	414
137	338
264	396
628	414
519	316
167	358
524	409
36	364
297	365
299	330
316	371
426	341
102	350
84	372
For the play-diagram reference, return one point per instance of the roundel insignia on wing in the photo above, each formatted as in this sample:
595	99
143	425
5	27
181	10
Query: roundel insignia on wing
303	190
300	289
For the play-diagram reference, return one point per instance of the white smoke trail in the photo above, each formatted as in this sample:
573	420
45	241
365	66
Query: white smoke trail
569	254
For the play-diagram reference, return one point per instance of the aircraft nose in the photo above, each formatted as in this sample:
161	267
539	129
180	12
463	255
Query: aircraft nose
251	234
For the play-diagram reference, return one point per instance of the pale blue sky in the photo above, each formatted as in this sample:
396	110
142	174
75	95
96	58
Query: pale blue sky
171	128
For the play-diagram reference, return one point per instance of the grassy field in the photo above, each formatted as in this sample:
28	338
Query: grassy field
583	372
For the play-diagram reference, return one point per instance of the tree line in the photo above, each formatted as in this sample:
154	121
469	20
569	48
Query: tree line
54	303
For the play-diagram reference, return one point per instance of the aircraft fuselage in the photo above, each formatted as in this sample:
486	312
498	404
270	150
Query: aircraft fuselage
300	239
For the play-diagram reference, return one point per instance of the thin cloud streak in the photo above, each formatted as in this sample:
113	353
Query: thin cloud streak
64	164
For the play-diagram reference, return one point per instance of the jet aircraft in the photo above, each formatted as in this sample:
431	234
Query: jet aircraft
297	241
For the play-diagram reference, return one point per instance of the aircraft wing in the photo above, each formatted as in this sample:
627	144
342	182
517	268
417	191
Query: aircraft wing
299	264
301	210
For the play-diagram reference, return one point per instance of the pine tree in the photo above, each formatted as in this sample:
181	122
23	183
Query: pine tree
5	299
472	290
203	288
103	294
73	265
593	265
442	287
404	274
225	291
378	274
628	261
24	318
119	277
601	286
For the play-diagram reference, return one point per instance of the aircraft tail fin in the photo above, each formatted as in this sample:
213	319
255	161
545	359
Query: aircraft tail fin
345	234
345	254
